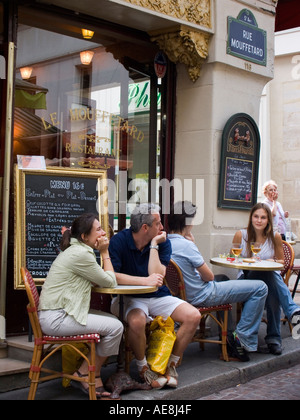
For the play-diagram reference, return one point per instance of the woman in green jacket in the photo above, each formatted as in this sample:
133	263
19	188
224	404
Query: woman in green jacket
65	299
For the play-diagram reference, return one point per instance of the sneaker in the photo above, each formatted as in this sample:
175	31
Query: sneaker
153	379
295	318
172	375
275	349
236	349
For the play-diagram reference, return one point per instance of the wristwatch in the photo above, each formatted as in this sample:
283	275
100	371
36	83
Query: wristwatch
154	247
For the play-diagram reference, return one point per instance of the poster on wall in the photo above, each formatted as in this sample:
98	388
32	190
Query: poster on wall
239	163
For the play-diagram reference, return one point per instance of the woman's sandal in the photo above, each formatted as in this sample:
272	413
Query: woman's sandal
101	392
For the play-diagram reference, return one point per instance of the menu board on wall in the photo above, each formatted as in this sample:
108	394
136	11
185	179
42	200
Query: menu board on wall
239	163
47	201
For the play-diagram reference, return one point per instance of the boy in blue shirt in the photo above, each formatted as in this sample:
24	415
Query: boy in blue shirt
203	290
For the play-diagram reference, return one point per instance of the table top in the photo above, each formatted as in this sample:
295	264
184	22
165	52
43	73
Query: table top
253	266
125	290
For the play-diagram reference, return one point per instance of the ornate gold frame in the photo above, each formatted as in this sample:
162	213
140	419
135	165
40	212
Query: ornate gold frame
20	210
186	42
197	12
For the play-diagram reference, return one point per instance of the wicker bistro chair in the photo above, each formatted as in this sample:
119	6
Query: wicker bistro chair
296	271
41	355
289	257
175	283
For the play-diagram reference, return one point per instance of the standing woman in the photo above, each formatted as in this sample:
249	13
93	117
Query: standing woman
270	191
260	230
65	298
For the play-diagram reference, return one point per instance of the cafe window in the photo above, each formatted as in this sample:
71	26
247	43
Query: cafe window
92	104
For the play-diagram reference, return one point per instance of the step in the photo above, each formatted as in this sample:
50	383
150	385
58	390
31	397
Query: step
15	367
10	366
13	374
20	348
3	350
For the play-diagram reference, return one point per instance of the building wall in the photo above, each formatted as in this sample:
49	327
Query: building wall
227	85
283	96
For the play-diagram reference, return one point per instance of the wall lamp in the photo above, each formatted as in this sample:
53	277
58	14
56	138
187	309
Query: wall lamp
26	72
86	57
87	34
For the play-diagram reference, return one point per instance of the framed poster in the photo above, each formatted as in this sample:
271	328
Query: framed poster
46	201
239	163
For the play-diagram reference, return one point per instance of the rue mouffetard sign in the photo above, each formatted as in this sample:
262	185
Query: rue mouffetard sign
246	40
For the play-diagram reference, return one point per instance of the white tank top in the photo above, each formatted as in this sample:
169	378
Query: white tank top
267	249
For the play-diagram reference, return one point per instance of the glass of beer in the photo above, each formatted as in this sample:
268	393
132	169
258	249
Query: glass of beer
255	248
236	250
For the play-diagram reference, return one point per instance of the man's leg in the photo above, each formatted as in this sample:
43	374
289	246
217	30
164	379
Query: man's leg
136	332
253	294
137	320
189	318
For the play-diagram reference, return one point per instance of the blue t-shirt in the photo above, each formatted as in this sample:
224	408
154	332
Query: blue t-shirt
187	256
127	259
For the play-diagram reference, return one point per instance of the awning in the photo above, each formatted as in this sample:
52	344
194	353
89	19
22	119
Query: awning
287	15
29	95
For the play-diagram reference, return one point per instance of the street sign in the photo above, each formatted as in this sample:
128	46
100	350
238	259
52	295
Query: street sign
246	40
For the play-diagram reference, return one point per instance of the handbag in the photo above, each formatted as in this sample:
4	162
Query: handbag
161	342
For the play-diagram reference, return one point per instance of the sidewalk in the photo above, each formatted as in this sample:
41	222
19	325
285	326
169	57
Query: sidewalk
282	385
201	374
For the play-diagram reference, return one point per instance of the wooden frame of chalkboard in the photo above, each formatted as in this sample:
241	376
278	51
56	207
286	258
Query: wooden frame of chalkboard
46	201
239	163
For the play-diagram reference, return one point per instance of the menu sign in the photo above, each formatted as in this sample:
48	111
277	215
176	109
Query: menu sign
239	163
47	201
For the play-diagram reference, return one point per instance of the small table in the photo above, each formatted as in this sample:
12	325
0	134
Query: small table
255	266
121	291
246	266
124	290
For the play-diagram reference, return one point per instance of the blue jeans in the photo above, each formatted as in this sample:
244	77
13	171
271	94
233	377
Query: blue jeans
279	297
253	294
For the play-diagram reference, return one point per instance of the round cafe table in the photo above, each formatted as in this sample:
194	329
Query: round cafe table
248	266
262	265
122	290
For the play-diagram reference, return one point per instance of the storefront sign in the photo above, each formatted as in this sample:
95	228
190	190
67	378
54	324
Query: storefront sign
246	40
239	163
108	122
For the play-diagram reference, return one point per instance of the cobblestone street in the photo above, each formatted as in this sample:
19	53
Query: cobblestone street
281	385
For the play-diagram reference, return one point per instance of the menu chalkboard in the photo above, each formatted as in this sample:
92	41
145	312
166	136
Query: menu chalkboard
239	163
46	201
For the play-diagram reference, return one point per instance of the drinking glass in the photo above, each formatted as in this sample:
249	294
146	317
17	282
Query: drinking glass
236	250
255	248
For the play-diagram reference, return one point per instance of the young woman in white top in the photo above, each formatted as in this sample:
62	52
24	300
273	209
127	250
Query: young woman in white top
260	229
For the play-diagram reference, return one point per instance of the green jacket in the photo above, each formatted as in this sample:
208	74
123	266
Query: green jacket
70	280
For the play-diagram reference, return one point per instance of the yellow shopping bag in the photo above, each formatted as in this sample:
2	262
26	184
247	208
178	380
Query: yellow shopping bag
162	339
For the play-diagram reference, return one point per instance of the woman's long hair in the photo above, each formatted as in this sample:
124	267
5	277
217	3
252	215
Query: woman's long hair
268	232
81	225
